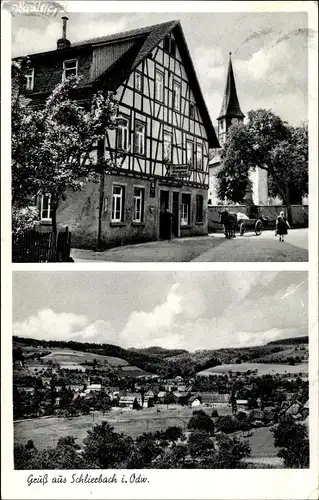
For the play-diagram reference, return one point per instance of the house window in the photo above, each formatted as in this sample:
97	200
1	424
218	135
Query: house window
185	209
138	82
70	68
159	85
118	204
122	134
199	208
139	138
191	110
138	214
167	148
177	96
189	152
170	46
29	75
199	156
45	208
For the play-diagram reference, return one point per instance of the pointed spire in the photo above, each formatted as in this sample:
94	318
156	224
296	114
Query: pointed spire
230	105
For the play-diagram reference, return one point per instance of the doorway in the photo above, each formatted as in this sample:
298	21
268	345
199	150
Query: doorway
175	212
164	205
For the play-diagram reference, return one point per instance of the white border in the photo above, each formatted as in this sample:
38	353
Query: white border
219	484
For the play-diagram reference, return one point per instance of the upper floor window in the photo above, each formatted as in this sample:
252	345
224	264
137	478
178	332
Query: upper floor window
167	150
122	134
139	138
138	82
189	152
29	75
159	85
70	68
192	110
170	46
199	156
177	96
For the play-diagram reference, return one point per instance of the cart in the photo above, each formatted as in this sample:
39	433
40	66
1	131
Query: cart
252	224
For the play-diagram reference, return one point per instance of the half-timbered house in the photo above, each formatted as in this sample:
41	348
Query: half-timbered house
160	148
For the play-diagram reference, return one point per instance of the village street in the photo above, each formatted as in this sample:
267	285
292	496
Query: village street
211	248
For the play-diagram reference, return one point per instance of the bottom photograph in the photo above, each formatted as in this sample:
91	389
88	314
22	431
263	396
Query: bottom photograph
160	370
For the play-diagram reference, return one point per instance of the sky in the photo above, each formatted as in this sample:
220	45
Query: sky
269	51
185	310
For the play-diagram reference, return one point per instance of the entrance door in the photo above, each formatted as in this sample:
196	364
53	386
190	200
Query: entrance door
164	205
175	211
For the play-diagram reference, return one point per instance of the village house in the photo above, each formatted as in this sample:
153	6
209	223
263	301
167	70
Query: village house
194	402
159	151
161	396
131	401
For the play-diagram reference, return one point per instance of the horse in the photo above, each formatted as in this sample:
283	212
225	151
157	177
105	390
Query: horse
229	219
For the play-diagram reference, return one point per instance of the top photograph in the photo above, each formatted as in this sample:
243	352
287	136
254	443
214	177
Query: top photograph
160	137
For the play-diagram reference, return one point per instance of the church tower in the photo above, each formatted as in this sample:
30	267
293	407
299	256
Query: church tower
230	112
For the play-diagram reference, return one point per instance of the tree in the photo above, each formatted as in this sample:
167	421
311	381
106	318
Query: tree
200	444
231	451
227	424
292	439
52	147
272	145
104	448
201	421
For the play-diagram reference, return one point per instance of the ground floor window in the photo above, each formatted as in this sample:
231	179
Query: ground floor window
199	208
185	209
138	213
118	204
45	207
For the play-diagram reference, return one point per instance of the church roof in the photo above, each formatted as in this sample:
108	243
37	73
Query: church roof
230	106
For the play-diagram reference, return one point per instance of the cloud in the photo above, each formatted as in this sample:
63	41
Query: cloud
143	328
48	324
41	38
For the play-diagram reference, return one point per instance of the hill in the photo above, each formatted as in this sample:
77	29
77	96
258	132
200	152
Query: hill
156	360
291	341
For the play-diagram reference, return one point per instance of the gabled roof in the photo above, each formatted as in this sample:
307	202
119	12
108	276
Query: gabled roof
230	106
131	48
144	40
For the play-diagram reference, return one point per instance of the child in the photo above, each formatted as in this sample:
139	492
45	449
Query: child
282	226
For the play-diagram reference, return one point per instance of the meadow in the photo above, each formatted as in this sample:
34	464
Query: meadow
46	431
262	368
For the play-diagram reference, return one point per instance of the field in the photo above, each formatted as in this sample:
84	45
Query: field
45	432
76	360
262	368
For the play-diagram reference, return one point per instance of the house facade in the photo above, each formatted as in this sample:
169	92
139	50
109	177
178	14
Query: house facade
160	148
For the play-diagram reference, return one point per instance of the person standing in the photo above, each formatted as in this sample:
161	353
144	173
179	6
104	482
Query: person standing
282	226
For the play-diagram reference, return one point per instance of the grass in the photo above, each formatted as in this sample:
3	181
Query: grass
45	432
262	368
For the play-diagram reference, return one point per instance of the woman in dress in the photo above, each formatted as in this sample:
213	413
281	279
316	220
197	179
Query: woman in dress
282	226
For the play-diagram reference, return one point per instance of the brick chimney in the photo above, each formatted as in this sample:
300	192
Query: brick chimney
63	43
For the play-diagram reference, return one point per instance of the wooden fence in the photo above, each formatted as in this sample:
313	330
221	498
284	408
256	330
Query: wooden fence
34	246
